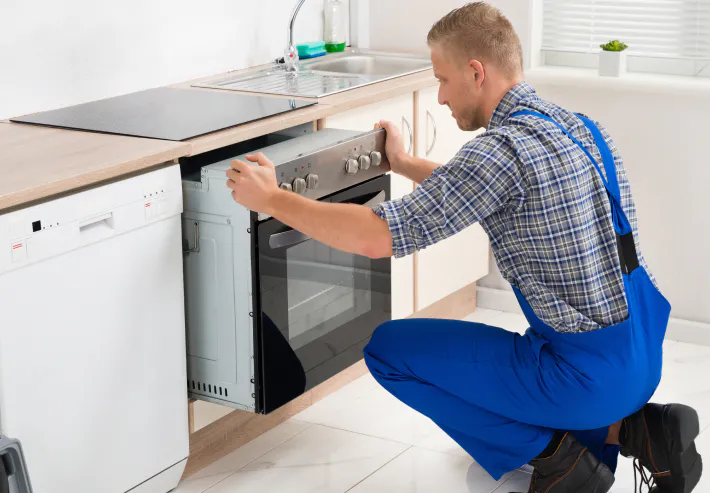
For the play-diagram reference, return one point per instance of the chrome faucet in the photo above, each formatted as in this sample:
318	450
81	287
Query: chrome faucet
291	53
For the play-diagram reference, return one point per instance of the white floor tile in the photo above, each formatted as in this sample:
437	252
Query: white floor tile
318	460
439	441
418	470
511	321
518	482
667	344
375	413
482	316
222	468
684	369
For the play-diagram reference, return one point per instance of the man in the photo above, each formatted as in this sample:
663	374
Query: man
550	190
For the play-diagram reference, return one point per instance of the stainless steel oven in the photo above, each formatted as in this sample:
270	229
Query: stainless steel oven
271	313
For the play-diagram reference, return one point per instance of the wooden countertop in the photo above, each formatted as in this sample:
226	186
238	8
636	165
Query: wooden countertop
38	163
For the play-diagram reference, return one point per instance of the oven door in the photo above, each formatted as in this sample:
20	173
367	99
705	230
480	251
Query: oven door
317	306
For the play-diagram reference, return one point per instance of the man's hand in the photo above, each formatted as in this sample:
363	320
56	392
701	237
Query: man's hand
254	187
394	147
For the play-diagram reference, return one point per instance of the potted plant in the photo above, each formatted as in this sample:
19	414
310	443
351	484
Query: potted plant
612	59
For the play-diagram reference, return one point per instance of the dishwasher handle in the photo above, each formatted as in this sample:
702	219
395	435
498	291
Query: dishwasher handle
102	220
97	228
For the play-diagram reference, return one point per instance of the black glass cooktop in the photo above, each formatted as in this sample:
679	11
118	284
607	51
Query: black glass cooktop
166	113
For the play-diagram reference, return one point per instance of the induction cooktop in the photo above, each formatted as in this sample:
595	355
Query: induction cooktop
166	113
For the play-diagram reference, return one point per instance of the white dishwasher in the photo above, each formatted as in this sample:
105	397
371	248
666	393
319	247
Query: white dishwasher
92	337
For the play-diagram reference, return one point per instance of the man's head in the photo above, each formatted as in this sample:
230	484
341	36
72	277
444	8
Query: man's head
477	58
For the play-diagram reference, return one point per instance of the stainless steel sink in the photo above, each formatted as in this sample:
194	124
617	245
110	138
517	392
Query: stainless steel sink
323	76
384	65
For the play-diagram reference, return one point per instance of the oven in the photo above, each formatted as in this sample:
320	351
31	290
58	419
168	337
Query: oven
316	306
271	312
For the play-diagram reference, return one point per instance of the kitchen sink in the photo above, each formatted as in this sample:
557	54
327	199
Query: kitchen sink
371	65
323	76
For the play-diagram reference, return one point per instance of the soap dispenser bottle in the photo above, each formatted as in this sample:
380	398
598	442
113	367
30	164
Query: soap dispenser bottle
334	35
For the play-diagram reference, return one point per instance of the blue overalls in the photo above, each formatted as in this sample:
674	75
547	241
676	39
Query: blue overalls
502	395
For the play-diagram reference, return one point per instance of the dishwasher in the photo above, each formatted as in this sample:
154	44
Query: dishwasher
92	338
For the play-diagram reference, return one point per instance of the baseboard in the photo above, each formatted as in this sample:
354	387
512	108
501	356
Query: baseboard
678	329
688	331
501	300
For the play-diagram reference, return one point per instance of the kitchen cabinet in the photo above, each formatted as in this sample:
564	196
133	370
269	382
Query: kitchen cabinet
401	111
462	259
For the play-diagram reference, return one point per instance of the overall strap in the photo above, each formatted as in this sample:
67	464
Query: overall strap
622	226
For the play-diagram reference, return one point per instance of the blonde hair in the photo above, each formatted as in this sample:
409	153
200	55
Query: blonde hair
480	31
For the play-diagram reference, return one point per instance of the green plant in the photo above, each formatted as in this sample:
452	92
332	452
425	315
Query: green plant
614	45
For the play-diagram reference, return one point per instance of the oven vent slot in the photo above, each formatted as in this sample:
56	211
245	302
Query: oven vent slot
206	388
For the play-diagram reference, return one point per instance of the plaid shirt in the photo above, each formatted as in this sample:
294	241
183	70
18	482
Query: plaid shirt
543	206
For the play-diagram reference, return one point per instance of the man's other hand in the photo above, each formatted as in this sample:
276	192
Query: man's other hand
394	146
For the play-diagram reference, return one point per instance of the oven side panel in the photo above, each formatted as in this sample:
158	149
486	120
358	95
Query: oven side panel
218	280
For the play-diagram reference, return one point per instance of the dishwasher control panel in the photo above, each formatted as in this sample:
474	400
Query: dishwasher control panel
53	228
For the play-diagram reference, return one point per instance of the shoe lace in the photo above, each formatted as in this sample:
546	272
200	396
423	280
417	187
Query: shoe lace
646	478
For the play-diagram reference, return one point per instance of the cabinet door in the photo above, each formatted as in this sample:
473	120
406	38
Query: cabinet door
401	111
458	261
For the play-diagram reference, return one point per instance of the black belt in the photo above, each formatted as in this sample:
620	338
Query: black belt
627	253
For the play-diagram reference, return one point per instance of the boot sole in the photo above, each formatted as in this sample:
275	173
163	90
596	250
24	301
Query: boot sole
686	463
600	481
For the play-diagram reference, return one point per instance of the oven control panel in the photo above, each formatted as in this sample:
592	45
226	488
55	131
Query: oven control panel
332	168
321	163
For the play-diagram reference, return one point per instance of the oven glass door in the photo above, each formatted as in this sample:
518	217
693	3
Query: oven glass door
318	306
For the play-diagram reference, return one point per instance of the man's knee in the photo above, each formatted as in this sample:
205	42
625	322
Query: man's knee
384	339
381	353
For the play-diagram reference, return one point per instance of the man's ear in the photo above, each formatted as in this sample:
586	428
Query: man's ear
479	73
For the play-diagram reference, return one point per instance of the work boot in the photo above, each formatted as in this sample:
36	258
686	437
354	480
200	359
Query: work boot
572	468
662	439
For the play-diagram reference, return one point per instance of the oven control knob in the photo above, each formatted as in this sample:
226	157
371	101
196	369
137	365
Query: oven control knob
286	186
299	185
376	158
364	162
312	181
351	166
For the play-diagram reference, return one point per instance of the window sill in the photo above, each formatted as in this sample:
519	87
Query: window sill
590	79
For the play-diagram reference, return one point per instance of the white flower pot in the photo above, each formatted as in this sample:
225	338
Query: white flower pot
612	63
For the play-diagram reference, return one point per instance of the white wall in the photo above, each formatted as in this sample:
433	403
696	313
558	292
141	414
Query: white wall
403	25
58	53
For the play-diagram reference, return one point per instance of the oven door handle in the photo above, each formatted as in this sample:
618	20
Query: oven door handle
293	237
288	238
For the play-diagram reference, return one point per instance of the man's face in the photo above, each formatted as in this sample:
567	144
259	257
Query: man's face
458	88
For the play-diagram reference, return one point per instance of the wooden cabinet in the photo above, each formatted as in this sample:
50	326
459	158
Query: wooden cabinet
462	259
400	110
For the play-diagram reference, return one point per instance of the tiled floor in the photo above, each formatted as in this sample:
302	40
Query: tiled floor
362	440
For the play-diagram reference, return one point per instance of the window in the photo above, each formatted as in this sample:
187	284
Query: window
664	36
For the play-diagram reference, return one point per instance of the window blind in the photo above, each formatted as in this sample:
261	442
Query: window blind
653	28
